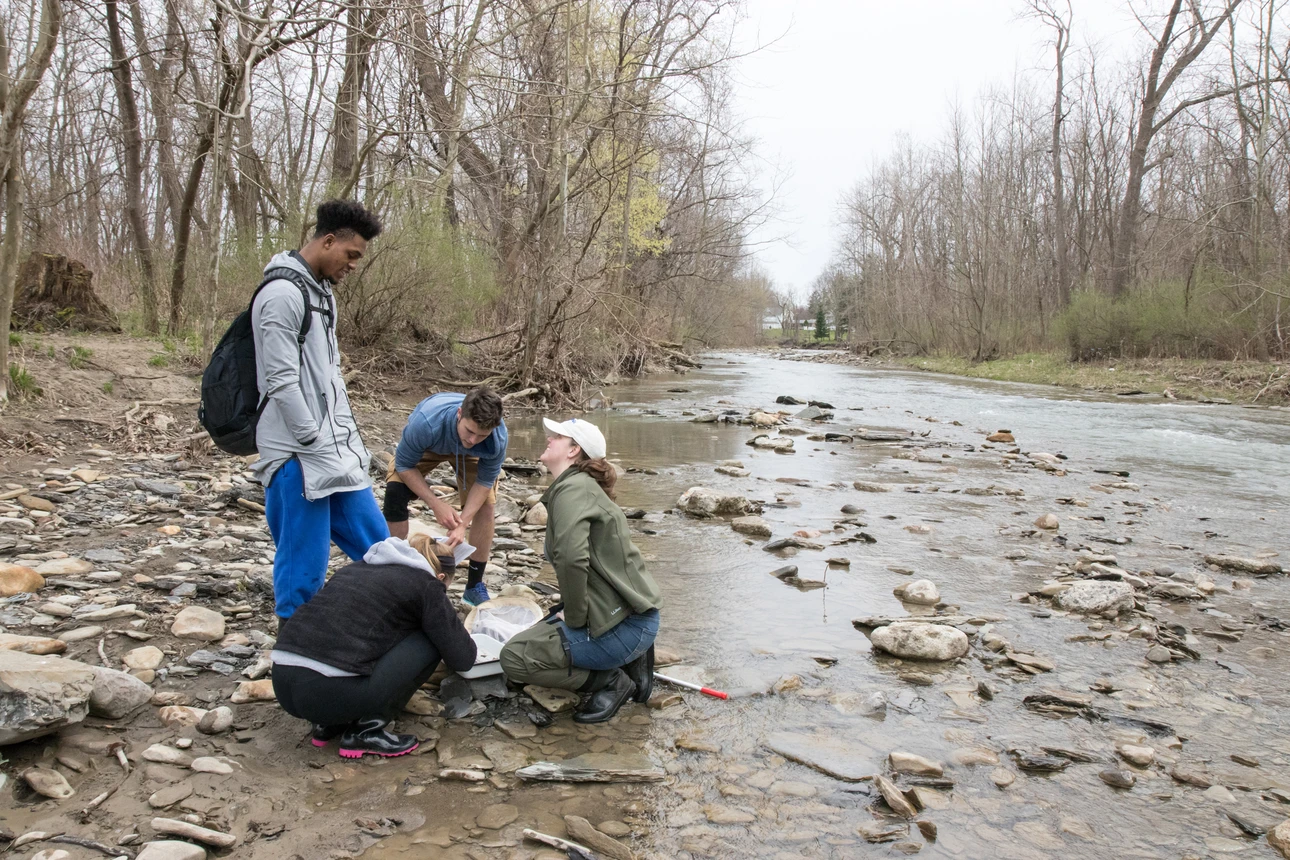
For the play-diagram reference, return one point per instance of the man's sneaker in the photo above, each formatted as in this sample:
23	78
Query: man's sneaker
369	737
321	735
476	594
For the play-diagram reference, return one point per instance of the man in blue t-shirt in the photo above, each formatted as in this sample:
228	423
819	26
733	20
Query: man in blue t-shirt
467	431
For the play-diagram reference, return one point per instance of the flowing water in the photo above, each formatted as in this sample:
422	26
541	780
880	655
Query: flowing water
1213	479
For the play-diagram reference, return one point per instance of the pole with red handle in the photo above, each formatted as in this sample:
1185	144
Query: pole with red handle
707	691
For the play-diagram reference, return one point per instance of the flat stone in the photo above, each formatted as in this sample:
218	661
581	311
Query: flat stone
171	850
551	698
64	567
840	758
42	694
47	783
158	488
1096	597
517	729
719	814
1118	778
752	526
1139	756
497	816
254	691
894	796
162	754
170	795
211	764
904	762
31	644
180	716
581	831
1002	777
197	622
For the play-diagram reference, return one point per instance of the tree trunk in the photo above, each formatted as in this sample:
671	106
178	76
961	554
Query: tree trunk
132	144
360	36
15	93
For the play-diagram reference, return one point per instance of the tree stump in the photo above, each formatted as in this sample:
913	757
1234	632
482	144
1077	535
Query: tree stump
53	292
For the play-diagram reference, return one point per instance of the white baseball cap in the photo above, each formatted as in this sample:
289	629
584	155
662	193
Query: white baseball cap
586	434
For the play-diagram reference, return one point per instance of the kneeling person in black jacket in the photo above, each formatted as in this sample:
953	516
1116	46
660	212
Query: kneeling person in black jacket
349	659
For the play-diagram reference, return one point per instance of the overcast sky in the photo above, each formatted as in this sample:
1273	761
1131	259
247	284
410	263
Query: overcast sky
839	79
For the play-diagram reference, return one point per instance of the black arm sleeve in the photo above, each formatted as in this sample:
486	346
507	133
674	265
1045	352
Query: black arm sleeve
444	629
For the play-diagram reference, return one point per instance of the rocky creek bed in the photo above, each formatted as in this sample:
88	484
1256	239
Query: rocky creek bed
1106	648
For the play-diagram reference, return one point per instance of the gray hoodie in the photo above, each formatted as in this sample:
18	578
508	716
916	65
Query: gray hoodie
308	415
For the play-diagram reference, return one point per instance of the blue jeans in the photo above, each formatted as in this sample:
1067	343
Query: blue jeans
303	532
629	639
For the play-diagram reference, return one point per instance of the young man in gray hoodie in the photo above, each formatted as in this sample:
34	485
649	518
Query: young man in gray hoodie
313	463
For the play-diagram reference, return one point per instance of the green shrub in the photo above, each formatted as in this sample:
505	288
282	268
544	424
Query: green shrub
15	339
79	357
1204	319
159	360
107	387
22	382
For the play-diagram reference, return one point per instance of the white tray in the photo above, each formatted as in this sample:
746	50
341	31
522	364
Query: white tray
488	655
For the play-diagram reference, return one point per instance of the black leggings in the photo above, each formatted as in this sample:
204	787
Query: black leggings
317	698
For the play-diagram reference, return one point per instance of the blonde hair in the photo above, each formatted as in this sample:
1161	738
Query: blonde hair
426	545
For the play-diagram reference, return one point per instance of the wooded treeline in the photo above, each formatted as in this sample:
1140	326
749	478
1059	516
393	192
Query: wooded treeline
1119	206
561	181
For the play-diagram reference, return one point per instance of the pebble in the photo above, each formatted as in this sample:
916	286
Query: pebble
904	762
1139	756
1118	778
47	783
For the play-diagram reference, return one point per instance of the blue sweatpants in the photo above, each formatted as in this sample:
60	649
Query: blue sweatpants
303	531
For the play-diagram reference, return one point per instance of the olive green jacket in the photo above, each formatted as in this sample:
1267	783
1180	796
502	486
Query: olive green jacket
602	576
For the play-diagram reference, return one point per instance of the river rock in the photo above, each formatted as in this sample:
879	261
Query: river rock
64	567
1097	597
1048	522
732	471
922	592
170	795
1279	838
702	502
1002	777
1136	755
116	694
582	832
162	754
753	526
774	443
847	760
147	657
882	831
41	694
216	721
497	816
253	691
17	579
171	850
180	716
894	796
1003	437
871	487
1249	565
31	644
536	515
903	762
1159	654
48	783
1118	778
211	764
920	641
197	622
551	698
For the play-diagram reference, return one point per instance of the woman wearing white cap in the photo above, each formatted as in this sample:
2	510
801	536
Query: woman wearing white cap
602	643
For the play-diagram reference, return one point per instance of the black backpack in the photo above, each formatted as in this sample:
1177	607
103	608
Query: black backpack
231	403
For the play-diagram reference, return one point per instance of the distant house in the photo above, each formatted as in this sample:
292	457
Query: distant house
769	322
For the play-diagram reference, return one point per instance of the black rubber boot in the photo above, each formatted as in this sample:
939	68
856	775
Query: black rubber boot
604	702
321	735
369	737
641	671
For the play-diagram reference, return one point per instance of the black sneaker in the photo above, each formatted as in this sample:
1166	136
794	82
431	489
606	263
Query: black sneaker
641	671
602	704
369	737
321	735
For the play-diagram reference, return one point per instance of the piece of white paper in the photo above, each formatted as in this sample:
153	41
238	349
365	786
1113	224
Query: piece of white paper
461	552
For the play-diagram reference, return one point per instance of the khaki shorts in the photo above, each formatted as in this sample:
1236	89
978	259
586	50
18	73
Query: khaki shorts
396	503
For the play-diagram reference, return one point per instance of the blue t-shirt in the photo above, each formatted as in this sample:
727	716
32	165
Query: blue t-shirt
432	428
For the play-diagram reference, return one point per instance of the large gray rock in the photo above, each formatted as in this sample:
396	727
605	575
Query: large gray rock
198	622
116	693
702	502
920	641
922	592
1097	597
753	526
41	694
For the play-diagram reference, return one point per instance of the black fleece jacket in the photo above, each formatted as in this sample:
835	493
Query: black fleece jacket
364	610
